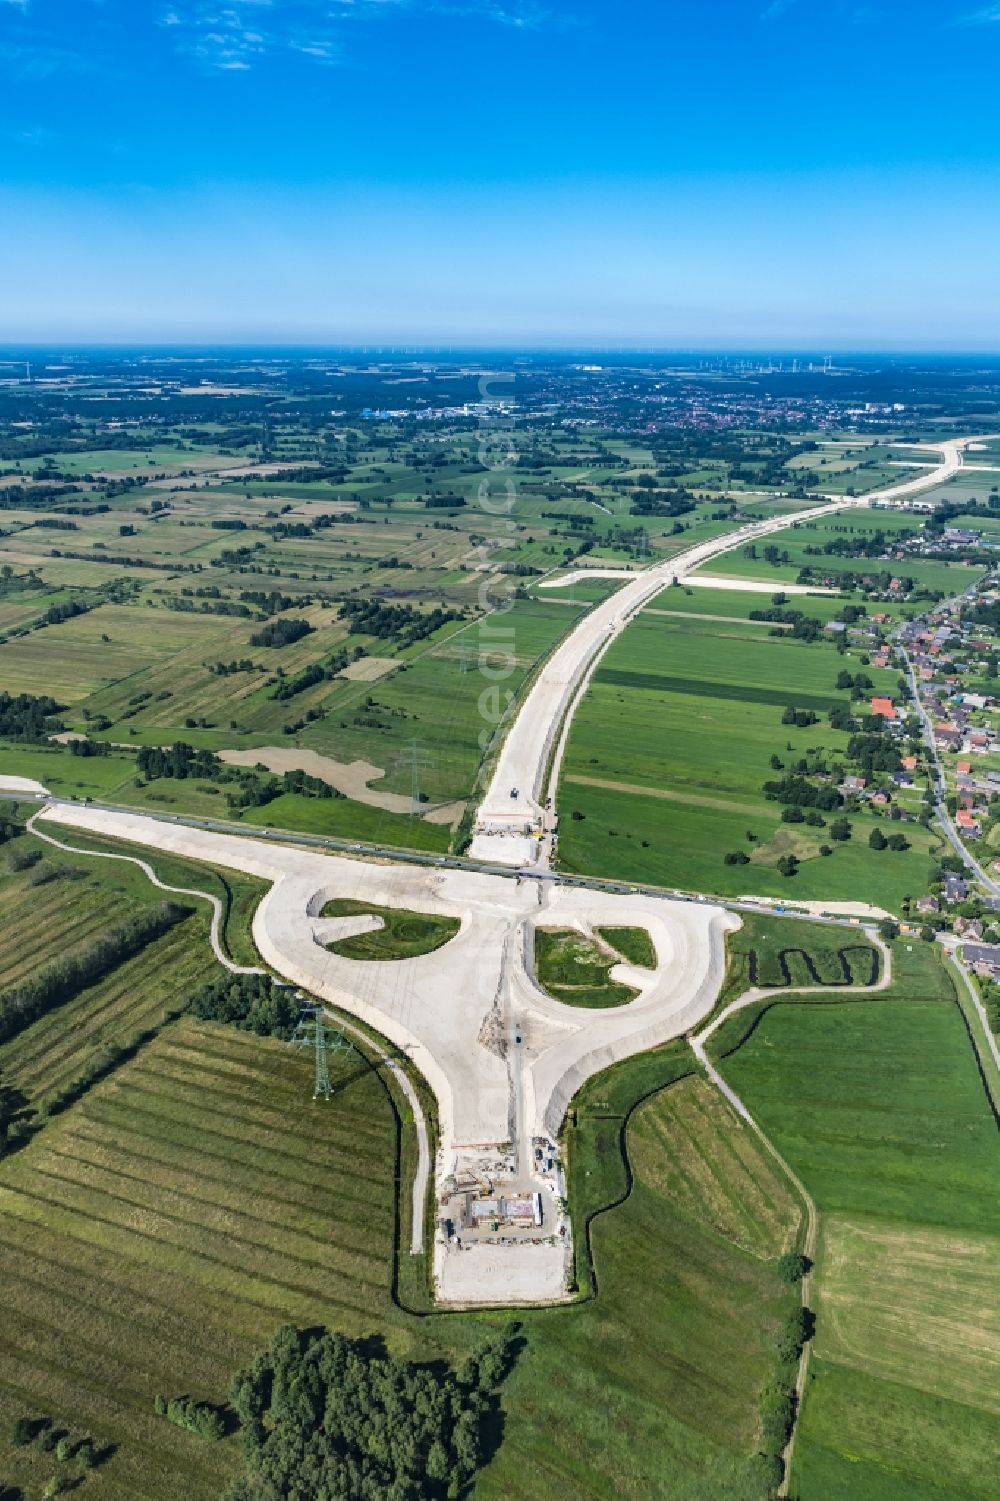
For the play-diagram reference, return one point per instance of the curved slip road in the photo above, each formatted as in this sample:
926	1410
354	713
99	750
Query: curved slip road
422	1175
519	785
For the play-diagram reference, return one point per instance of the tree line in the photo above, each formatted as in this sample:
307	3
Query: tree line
60	981
28	717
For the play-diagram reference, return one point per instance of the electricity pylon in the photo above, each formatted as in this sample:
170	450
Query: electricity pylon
313	1031
415	759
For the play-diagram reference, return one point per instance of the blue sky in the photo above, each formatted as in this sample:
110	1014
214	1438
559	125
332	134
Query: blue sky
783	173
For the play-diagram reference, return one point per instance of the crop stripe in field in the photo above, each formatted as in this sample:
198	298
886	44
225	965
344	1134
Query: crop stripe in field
214	1273
184	1159
218	1096
91	1357
234	1234
325	1199
749	1225
201	1340
42	1380
182	1084
117	1288
47	1062
618	677
752	1203
180	1162
190	1137
74	1188
313	1237
251	1130
263	1132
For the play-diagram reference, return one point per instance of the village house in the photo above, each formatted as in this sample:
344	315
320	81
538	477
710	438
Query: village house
984	959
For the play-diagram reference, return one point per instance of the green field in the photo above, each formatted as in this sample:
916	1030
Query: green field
577	970
880	1109
403	935
158	1232
774	952
634	945
665	803
77	901
928	574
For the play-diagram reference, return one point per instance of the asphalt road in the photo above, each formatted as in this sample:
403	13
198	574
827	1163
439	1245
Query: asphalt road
449	862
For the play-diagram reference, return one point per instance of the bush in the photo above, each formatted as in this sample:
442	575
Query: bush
64	1449
877	840
777	1414
254	1003
196	1417
85	1455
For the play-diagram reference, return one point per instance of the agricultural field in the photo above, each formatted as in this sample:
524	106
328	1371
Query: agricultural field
834	549
159	1231
200	1191
704	699
880	1109
145	546
57	904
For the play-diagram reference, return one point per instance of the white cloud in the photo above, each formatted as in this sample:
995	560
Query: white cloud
235	35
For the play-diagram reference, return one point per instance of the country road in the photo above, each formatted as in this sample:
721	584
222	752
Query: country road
527	768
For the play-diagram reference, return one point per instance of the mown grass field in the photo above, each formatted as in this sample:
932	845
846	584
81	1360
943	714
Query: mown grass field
664	804
634	944
879	1107
655	1393
160	1230
887	1116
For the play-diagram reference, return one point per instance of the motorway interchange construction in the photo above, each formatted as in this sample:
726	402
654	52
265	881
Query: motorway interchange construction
503	1058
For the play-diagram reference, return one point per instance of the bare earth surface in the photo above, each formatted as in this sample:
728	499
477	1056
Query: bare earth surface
349	777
